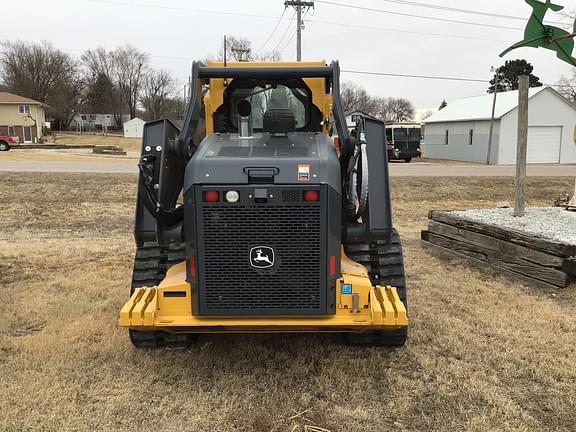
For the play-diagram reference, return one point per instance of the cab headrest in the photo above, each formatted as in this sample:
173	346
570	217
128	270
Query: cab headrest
279	120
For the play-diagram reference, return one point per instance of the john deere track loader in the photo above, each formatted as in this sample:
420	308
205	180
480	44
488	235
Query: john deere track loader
254	218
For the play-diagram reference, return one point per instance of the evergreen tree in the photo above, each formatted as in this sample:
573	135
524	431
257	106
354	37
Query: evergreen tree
509	73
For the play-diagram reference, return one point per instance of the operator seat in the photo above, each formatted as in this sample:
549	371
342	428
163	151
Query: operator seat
279	121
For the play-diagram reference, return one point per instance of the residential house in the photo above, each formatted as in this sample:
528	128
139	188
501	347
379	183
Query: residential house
21	117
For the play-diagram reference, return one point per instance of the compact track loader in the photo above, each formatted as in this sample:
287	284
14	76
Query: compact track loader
253	218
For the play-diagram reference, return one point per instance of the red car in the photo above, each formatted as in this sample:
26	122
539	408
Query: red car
7	141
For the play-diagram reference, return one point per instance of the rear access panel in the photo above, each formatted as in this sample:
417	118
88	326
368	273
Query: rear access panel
264	254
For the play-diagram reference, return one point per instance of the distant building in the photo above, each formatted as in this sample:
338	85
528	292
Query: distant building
461	130
21	117
95	122
353	116
134	128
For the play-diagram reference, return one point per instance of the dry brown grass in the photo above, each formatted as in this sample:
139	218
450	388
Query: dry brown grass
119	140
60	155
484	353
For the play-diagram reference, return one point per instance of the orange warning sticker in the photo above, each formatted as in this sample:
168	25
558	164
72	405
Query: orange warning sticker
303	172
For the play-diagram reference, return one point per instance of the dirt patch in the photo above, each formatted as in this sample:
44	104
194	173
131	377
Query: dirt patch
484	353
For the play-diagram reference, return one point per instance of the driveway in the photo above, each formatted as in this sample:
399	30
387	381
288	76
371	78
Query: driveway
415	169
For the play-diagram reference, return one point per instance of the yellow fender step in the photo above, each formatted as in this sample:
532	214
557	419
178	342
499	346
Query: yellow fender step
141	309
386	308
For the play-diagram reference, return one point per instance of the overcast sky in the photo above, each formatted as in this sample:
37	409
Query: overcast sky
179	31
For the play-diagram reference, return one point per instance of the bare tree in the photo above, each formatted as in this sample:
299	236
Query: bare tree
383	109
567	87
355	98
395	110
130	67
43	73
240	49
103	95
402	109
157	94
424	115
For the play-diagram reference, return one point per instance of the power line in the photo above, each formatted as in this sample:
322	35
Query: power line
156	6
432	77
291	19
451	36
287	44
281	40
291	38
358	72
459	10
273	31
417	16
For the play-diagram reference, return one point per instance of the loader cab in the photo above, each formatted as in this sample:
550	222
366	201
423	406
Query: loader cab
307	99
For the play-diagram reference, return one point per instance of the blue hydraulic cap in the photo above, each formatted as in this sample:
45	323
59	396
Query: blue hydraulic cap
346	288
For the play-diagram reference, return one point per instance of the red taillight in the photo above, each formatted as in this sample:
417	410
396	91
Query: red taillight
192	265
332	265
311	196
337	143
211	196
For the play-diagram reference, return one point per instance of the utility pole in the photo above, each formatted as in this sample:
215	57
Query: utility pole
299	6
496	83
523	96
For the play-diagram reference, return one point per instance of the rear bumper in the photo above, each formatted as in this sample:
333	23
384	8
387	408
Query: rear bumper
360	307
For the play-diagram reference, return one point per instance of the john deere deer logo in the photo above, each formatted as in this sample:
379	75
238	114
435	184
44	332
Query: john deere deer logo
261	257
538	34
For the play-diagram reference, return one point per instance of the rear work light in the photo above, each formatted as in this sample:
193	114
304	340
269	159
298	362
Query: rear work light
336	143
211	196
192	266
311	196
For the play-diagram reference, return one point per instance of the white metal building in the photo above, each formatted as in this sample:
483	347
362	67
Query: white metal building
460	131
353	116
134	128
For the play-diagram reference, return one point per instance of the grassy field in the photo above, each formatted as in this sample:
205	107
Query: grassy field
87	139
484	354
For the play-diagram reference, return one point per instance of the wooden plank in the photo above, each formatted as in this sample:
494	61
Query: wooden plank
502	260
448	253
569	266
496	245
521	238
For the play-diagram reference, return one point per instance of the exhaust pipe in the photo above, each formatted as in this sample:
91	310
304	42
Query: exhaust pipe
245	128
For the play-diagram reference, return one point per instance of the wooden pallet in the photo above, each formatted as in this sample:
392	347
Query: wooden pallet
520	255
109	150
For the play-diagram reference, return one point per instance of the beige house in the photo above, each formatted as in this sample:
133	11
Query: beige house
21	117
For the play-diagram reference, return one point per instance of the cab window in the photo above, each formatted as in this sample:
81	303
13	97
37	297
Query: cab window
264	95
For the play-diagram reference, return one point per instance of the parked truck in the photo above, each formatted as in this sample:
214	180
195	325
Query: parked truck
8	141
403	141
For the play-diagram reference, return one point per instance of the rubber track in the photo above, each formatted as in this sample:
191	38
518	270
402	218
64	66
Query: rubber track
150	266
385	265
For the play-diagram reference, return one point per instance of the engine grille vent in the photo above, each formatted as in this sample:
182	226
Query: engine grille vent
291	195
231	285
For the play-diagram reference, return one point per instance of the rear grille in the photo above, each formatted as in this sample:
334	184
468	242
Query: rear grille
229	284
291	195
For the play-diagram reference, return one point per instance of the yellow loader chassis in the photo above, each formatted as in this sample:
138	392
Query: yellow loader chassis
360	307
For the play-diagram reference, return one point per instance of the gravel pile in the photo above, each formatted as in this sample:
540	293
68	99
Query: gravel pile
547	222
